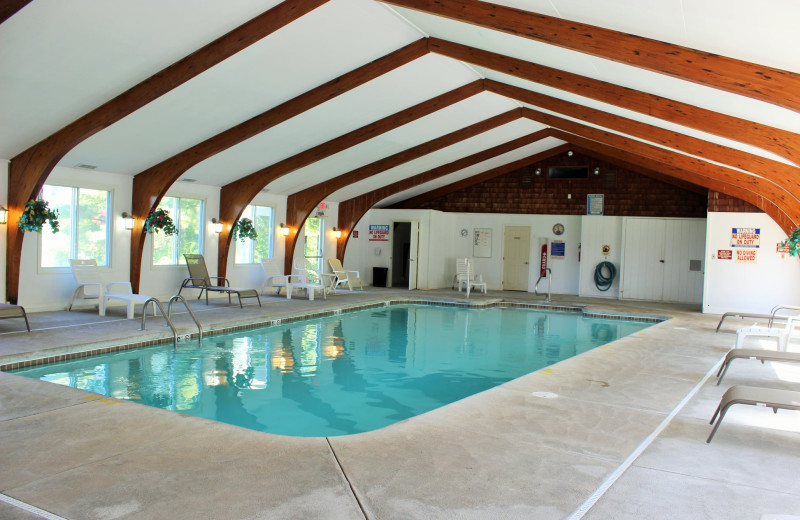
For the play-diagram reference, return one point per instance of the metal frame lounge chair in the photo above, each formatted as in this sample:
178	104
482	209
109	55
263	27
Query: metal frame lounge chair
87	275
756	396
772	316
8	310
199	279
753	353
346	277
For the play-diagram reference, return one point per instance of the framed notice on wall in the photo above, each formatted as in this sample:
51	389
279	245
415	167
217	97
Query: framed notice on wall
482	242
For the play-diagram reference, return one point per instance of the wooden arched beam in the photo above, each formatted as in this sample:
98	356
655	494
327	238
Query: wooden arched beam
782	174
352	210
779	87
9	8
300	205
664	164
152	184
30	169
759	186
776	140
772	209
235	196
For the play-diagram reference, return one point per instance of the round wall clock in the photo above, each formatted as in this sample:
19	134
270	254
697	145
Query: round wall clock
558	229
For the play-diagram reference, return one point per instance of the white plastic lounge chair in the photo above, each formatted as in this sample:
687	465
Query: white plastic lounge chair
351	279
275	277
782	335
87	275
466	276
199	279
312	282
756	396
8	310
755	353
773	315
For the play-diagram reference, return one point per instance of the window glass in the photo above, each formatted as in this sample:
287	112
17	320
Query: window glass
187	214
83	226
313	243
252	251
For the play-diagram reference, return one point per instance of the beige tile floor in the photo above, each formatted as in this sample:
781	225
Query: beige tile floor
505	453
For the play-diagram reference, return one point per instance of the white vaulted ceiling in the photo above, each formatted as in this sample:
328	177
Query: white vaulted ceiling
60	60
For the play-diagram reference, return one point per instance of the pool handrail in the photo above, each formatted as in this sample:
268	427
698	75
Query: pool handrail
191	313
549	284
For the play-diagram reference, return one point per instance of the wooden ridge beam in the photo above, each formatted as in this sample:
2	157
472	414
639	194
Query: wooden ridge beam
778	214
152	184
784	175
351	210
235	196
30	169
768	84
300	205
776	140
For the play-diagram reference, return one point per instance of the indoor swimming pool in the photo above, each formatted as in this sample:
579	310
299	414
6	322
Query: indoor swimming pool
347	373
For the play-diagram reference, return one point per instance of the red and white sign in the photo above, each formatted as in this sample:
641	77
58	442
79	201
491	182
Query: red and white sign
724	254
378	232
543	267
747	256
784	249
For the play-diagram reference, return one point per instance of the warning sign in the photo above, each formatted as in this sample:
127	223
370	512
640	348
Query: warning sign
724	254
378	233
557	249
745	237
783	248
747	256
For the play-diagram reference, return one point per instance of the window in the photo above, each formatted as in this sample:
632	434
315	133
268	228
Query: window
188	217
83	226
313	246
252	251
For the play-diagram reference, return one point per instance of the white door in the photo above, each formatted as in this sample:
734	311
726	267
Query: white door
643	259
412	256
684	254
516	257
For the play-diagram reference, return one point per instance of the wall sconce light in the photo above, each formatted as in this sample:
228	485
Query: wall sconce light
128	220
3	215
283	230
569	153
216	225
538	171
597	171
337	233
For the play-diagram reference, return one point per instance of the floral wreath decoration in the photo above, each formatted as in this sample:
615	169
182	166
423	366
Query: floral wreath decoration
159	220
35	214
793	242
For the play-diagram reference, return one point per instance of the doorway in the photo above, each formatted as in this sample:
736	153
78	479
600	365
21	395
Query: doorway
405	240
516	257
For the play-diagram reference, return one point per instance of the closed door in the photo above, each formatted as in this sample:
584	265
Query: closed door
516	257
643	259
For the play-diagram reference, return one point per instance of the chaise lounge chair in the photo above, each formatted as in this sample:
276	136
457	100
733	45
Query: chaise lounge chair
754	353
8	310
275	278
199	279
466	276
756	396
351	279
782	335
772	316
87	275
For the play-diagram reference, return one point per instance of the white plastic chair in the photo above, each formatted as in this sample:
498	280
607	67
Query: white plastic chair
466	276
351	279
275	277
87	275
781	335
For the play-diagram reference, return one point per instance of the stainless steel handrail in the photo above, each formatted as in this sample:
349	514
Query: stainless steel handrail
191	313
155	302
549	284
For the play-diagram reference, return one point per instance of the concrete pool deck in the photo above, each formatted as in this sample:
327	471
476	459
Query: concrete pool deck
542	446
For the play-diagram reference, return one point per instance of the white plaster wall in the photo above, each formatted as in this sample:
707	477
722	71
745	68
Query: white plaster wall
732	286
597	231
50	289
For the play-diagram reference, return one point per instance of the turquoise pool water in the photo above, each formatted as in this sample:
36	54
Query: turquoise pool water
342	374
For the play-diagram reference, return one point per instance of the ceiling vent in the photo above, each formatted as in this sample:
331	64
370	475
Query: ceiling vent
527	179
188	180
84	166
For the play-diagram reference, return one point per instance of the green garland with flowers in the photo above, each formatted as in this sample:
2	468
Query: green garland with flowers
793	242
244	229
159	220
35	214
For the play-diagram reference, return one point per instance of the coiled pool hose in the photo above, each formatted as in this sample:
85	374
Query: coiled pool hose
602	281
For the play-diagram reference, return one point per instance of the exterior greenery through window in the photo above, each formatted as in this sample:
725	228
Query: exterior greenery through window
188	217
83	226
252	251
313	244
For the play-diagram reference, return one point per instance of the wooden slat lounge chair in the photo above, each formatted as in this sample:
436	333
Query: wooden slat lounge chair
199	279
755	353
8	310
756	396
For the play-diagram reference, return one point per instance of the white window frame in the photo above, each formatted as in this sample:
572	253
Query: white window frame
175	216
249	243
